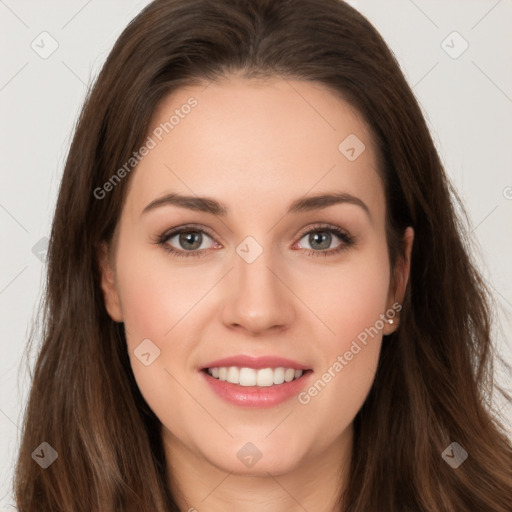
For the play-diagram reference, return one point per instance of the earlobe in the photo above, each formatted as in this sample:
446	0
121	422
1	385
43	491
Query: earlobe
401	278
108	284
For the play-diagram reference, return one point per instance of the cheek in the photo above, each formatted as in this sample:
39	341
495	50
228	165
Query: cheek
158	306
351	296
156	295
155	299
353	300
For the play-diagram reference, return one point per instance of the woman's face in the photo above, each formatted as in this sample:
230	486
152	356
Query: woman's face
261	275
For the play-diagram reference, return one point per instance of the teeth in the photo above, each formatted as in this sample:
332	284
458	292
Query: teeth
289	374
247	377
264	377
278	376
233	375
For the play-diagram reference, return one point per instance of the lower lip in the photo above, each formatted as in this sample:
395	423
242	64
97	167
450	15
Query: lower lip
254	396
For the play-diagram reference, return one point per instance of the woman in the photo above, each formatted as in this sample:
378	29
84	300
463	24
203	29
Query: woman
253	375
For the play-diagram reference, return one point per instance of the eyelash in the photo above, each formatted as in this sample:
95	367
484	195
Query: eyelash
347	240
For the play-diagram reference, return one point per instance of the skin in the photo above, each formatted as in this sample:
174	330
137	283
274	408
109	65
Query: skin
256	146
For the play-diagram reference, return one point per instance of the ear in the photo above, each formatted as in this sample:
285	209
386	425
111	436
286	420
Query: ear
108	284
400	280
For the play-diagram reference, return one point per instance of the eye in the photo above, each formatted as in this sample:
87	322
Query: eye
190	241
321	237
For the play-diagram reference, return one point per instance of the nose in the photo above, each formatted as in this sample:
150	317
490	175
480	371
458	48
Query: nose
258	297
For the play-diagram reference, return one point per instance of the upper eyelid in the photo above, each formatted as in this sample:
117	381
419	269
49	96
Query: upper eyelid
195	227
180	229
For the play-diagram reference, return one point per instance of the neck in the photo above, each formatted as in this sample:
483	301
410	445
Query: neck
315	484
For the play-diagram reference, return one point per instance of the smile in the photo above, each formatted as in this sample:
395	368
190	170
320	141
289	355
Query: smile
263	377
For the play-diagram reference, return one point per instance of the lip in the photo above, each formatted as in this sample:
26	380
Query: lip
254	396
256	362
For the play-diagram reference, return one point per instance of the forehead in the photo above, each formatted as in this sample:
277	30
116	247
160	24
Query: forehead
250	142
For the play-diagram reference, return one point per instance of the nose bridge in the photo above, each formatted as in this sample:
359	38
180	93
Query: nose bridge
260	300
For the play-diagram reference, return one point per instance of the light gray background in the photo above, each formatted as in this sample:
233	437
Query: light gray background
467	101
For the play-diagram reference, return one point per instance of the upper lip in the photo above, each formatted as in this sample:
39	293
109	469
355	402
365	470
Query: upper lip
245	361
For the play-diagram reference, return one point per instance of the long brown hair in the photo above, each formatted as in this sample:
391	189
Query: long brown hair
435	373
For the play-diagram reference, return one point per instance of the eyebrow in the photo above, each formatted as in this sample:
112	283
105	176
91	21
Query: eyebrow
217	208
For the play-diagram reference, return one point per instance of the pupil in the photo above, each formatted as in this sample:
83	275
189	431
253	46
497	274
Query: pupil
322	235
190	237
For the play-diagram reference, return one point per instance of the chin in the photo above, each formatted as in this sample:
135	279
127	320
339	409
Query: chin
256	458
